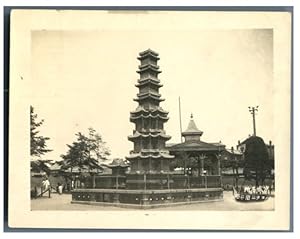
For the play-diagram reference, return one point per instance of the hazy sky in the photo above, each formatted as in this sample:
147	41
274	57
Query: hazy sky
86	79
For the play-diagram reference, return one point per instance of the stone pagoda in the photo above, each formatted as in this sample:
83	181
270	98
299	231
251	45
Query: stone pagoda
149	160
149	182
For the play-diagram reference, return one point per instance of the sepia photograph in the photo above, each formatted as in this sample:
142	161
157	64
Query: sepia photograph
151	114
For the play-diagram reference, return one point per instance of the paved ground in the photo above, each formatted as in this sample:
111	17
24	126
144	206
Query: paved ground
63	202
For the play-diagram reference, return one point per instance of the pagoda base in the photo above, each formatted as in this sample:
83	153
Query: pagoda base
145	199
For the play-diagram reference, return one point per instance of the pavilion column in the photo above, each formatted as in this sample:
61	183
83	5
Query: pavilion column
202	168
219	166
219	171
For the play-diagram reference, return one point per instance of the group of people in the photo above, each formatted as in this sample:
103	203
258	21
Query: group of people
261	189
46	186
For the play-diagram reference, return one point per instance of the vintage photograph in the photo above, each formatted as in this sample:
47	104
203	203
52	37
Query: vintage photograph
134	116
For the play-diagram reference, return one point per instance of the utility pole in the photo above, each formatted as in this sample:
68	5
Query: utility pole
252	111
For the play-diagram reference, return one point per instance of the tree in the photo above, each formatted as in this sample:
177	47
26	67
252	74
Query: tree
38	144
233	164
181	160
86	151
257	166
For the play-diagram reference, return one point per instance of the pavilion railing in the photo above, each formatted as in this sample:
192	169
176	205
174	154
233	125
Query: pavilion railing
152	181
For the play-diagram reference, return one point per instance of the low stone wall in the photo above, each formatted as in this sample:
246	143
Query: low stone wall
145	198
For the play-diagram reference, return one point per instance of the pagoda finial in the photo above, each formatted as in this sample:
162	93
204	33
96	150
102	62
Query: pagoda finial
191	115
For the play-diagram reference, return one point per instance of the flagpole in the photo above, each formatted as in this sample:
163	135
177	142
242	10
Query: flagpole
180	120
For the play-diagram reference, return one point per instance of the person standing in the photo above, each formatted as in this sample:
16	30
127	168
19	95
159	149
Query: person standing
46	186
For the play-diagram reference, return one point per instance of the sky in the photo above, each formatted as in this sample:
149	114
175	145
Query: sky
84	79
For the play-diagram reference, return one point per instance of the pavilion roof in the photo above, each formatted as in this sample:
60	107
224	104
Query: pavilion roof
196	145
192	128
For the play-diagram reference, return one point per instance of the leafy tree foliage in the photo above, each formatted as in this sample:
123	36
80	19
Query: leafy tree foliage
38	144
233	164
40	165
86	151
257	163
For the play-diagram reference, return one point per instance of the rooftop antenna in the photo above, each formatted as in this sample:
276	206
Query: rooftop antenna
180	120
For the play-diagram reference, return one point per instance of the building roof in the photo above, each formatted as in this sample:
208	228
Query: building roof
55	166
117	163
77	169
234	151
250	138
192	128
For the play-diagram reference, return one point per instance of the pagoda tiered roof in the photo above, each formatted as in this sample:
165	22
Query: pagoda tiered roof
154	93
149	80
148	134
145	65
143	96
142	109
149	67
160	155
155	131
148	53
133	118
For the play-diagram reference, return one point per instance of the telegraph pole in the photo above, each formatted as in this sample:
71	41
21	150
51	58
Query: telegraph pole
252	111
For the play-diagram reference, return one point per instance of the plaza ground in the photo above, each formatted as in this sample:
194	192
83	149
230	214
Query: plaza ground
63	202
